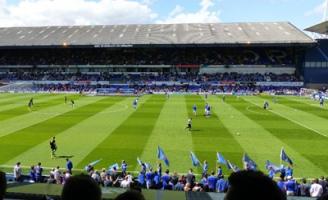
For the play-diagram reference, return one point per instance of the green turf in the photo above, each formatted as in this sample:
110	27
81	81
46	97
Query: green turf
109	128
209	136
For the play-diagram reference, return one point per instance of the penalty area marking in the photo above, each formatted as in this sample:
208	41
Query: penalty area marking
296	122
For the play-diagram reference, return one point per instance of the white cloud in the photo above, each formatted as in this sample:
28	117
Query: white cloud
75	12
318	10
203	15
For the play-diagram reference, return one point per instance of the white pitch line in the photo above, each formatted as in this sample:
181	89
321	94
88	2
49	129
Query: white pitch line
296	122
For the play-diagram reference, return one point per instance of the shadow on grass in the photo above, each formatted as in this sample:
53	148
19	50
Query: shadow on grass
64	156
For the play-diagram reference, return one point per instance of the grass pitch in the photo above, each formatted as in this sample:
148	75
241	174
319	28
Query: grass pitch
108	128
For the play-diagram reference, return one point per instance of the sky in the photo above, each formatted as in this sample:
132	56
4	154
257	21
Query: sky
302	13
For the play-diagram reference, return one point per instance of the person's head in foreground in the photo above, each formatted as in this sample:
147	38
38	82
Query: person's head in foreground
130	195
253	185
81	187
3	185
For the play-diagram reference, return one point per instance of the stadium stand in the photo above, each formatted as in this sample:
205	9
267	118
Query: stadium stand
316	59
155	57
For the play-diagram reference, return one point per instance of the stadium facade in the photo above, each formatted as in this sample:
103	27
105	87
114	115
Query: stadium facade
316	63
243	48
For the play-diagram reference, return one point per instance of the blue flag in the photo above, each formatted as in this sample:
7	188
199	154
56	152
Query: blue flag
221	158
139	161
92	164
272	167
111	168
148	166
232	167
284	157
194	160
248	162
161	155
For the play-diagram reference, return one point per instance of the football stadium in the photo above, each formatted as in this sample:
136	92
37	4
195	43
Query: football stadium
169	109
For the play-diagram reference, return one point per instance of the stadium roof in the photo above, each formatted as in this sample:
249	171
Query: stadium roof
321	28
156	34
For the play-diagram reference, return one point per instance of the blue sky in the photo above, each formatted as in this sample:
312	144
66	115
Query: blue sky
302	13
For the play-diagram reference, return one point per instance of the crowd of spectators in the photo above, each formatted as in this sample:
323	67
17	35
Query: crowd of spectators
50	75
147	56
149	178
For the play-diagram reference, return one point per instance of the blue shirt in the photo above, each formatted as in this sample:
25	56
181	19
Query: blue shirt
212	182
291	186
220	172
32	175
141	178
124	166
156	179
166	178
149	176
281	185
221	185
289	172
69	165
194	108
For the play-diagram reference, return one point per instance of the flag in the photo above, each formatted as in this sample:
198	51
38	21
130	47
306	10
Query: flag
111	168
248	162
221	158
272	167
92	164
161	155
139	161
284	157
194	160
232	167
148	166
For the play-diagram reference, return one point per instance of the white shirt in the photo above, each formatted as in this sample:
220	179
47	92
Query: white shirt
17	171
316	190
125	183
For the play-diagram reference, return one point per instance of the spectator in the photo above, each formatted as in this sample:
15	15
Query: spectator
51	179
316	189
69	165
291	187
324	184
197	188
81	187
18	172
3	185
190	178
180	185
38	173
212	182
32	174
222	185
281	184
130	195
125	183
253	185
304	188
57	175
